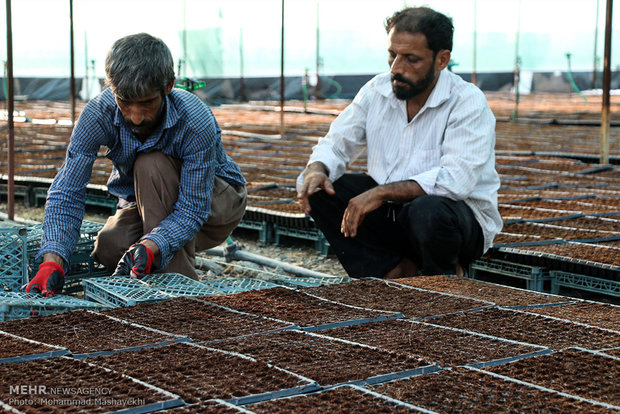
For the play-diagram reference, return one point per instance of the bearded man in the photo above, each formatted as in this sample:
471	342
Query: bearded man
428	204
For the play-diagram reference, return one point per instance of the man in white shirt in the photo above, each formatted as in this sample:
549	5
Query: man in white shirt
428	204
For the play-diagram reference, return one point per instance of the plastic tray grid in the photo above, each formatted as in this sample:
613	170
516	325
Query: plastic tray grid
320	242
13	260
236	285
581	282
265	229
533	275
121	291
18	305
306	281
126	291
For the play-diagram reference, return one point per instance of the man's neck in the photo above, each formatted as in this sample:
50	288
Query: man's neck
415	104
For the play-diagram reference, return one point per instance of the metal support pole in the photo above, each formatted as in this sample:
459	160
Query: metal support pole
606	87
595	48
10	106
474	79
242	96
317	89
282	75
72	62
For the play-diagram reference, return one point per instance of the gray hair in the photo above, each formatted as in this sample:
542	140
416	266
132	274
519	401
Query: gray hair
138	65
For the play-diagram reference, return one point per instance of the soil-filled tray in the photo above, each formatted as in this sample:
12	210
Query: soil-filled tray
388	296
214	406
428	342
196	319
326	360
468	391
558	230
343	399
534	329
476	289
571	251
14	348
573	371
294	306
199	374
84	332
601	315
615	352
66	385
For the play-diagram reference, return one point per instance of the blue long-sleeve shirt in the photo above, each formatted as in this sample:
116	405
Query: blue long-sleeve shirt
188	132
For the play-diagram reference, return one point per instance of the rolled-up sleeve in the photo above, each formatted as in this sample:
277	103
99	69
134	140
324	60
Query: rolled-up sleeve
193	207
64	208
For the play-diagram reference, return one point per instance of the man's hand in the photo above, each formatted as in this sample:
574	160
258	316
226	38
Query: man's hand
136	262
315	178
49	280
357	209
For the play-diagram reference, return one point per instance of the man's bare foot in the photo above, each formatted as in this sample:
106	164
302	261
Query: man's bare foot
459	270
406	268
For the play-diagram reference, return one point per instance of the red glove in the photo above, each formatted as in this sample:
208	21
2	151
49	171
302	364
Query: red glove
49	280
136	262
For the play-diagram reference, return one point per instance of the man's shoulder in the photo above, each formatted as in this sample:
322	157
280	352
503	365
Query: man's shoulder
461	87
102	103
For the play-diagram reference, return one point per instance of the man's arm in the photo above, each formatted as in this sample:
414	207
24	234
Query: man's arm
360	206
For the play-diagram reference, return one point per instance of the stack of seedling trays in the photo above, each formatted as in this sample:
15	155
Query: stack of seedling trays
367	345
117	291
13	258
561	221
81	265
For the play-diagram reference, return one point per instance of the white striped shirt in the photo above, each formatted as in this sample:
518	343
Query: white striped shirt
448	148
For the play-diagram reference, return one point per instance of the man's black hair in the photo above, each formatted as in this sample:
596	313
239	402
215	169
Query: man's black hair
436	27
138	65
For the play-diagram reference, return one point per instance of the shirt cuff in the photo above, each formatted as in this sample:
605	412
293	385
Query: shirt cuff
164	248
56	248
334	165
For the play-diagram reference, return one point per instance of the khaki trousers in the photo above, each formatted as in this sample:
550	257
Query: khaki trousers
156	182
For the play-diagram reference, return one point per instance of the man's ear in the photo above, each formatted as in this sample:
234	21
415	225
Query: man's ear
169	87
442	59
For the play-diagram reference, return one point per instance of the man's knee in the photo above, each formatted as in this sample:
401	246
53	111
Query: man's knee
108	248
428	212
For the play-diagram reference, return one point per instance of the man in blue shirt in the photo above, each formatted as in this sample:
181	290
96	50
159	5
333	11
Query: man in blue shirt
178	191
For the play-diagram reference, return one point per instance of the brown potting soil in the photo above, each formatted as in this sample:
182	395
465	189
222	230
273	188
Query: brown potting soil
467	391
477	289
325	360
429	342
335	400
557	230
584	374
198	374
82	388
601	315
12	347
292	306
580	251
82	331
207	407
532	329
196	319
381	295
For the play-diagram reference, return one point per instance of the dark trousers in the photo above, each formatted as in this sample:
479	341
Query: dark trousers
434	232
